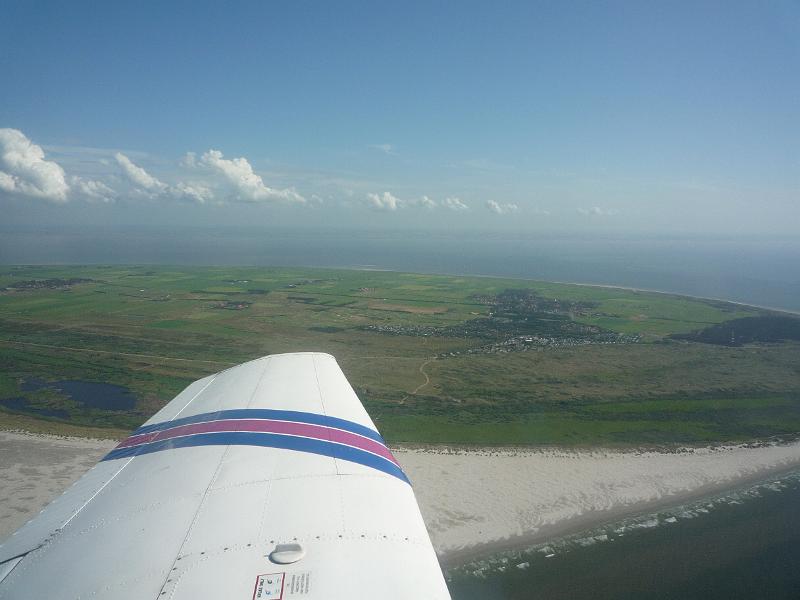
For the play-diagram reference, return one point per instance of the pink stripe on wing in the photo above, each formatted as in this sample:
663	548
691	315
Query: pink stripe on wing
319	432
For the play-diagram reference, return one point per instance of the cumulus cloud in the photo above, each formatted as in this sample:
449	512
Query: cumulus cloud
454	204
383	201
197	192
91	190
138	176
216	172
248	185
25	172
147	184
596	211
501	209
426	202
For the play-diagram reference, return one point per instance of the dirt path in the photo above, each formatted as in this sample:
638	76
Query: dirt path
427	379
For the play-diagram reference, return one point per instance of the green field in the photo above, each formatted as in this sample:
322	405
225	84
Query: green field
436	359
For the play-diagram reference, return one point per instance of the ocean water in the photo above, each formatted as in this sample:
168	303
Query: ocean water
754	270
741	545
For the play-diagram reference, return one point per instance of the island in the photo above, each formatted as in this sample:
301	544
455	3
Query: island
520	409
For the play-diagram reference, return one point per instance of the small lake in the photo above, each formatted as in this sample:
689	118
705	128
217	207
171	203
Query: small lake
23	405
104	396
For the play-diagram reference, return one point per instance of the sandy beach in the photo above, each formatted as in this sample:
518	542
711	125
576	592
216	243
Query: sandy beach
473	501
35	468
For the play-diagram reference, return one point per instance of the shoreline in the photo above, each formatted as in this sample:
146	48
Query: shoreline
679	294
476	503
610	286
595	519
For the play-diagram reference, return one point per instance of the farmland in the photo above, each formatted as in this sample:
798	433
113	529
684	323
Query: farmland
436	359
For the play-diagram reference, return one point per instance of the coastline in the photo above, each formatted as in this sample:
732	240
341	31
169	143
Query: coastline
580	283
594	519
679	294
476	503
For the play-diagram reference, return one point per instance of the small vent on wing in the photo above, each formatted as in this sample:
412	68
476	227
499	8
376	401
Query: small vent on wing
285	554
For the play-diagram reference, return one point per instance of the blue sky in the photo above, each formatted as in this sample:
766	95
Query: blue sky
629	116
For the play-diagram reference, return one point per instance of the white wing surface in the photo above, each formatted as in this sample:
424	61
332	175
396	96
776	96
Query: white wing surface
265	481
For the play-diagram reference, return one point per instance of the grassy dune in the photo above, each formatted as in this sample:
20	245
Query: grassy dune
407	344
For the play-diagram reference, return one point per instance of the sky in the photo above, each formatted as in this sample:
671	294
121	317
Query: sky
637	117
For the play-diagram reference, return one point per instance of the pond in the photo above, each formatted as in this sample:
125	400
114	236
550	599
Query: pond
90	394
24	405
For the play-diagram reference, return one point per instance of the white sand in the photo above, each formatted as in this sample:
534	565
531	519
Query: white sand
477	500
472	501
34	469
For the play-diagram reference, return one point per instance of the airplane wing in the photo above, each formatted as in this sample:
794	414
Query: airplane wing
265	481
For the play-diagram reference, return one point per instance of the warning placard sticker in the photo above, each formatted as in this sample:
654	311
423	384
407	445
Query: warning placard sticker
282	586
269	586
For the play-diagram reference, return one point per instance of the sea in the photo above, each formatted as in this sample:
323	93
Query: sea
743	544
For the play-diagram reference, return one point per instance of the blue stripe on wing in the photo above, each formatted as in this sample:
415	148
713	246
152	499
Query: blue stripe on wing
267	440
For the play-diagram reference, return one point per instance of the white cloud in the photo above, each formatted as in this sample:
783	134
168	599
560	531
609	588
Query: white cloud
596	211
196	192
426	202
25	172
384	201
138	176
236	173
247	184
454	204
501	209
92	190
